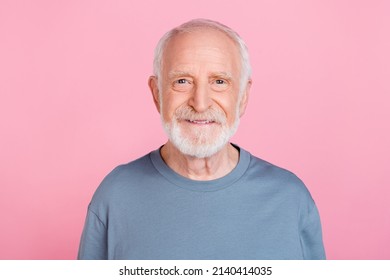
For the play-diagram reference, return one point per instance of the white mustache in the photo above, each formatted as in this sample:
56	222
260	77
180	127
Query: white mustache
212	115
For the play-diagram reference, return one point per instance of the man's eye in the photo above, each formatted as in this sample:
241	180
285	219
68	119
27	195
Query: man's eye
220	84
181	81
182	84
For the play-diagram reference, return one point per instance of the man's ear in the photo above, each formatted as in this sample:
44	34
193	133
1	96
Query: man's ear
153	85
244	98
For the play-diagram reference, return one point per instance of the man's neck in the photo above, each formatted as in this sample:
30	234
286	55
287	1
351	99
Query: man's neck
214	167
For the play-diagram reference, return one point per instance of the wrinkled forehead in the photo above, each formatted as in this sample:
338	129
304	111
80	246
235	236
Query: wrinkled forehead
195	42
202	35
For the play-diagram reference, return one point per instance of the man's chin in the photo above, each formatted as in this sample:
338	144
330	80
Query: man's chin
198	143
198	150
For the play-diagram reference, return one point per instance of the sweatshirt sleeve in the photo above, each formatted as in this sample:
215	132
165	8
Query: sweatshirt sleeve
311	236
93	244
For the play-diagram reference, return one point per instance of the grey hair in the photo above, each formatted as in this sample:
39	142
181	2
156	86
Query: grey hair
195	24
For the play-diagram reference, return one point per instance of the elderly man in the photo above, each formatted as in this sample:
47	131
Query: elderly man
199	196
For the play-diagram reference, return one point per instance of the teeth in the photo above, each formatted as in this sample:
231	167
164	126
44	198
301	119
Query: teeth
200	122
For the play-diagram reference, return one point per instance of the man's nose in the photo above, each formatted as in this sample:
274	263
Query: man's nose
200	99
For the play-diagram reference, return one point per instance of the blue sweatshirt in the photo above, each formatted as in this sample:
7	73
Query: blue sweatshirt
144	210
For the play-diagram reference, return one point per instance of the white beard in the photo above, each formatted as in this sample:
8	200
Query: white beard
201	145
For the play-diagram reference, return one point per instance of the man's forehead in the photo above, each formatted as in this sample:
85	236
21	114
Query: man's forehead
201	36
180	73
196	46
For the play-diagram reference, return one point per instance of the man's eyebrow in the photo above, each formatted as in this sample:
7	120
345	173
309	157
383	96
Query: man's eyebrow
174	74
224	75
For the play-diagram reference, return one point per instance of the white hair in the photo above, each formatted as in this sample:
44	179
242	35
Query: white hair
197	24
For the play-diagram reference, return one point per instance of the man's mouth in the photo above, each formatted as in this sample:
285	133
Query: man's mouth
200	121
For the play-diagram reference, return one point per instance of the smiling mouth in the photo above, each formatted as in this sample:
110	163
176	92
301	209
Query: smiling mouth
200	121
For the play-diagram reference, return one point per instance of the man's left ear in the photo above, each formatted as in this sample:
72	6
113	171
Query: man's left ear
244	98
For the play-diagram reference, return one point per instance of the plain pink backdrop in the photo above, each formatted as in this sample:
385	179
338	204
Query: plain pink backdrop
75	103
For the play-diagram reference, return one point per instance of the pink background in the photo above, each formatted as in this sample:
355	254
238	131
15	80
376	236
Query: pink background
75	103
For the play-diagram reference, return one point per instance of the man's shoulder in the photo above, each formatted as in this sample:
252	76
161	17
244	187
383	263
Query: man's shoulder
141	164
124	178
278	178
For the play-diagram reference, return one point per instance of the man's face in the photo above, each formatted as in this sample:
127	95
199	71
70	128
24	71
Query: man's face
199	98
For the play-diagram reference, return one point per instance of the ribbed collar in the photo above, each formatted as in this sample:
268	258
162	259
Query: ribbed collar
202	186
